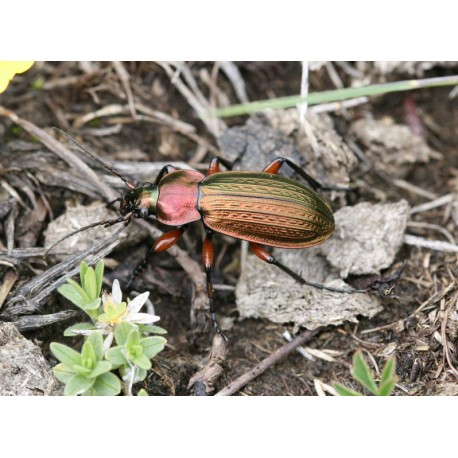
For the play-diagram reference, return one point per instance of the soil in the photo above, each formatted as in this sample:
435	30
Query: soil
418	325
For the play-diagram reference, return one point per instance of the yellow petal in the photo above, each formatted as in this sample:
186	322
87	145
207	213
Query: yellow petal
9	68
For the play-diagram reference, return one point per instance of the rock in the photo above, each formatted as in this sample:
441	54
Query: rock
393	148
367	237
23	369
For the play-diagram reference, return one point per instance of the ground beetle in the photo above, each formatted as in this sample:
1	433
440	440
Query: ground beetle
263	208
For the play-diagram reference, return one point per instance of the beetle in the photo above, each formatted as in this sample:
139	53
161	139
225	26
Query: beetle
263	208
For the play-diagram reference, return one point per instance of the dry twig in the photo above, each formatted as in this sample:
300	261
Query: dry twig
272	359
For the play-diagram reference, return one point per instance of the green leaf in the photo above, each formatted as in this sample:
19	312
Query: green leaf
99	268
90	283
142	362
72	294
388	378
133	339
122	331
333	95
152	328
78	384
82	370
142	392
65	355
389	370
78	327
100	368
344	391
96	340
80	290
140	374
94	305
152	345
83	268
63	373
107	385
116	357
361	372
88	356
386	388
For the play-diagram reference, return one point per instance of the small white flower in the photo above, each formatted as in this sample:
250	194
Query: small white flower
115	311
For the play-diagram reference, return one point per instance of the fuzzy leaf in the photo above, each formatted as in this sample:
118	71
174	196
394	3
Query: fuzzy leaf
83	269
344	391
63	373
78	384
133	339
152	328
72	294
100	368
152	345
142	392
116	357
386	388
94	305
361	372
142	362
65	355
88	356
389	371
122	331
96	340
107	384
99	268
78	327
140	374
90	283
81	291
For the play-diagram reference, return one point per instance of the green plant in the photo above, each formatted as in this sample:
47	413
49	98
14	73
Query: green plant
361	373
90	372
333	95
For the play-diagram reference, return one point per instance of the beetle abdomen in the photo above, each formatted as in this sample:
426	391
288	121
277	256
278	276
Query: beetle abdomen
265	208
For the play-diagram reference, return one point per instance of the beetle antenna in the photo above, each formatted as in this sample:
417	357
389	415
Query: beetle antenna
93	156
109	222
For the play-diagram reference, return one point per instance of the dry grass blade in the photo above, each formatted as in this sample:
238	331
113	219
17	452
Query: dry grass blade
235	77
437	245
33	294
8	282
29	322
60	150
125	77
444	340
193	95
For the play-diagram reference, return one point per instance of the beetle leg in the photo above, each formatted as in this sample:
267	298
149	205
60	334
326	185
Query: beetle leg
276	164
164	171
163	243
214	165
207	258
265	256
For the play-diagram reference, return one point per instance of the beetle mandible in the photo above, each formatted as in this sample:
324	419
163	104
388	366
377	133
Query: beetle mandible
263	208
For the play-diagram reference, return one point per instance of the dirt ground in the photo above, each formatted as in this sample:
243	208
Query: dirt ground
134	113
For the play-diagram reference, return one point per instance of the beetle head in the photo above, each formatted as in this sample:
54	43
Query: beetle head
140	202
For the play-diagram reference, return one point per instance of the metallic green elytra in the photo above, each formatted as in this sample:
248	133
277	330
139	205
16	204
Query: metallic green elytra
268	209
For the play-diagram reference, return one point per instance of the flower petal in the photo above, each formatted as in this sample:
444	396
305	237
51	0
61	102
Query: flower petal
116	294
108	341
141	318
137	303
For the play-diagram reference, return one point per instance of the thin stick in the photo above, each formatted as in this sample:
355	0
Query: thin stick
274	358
